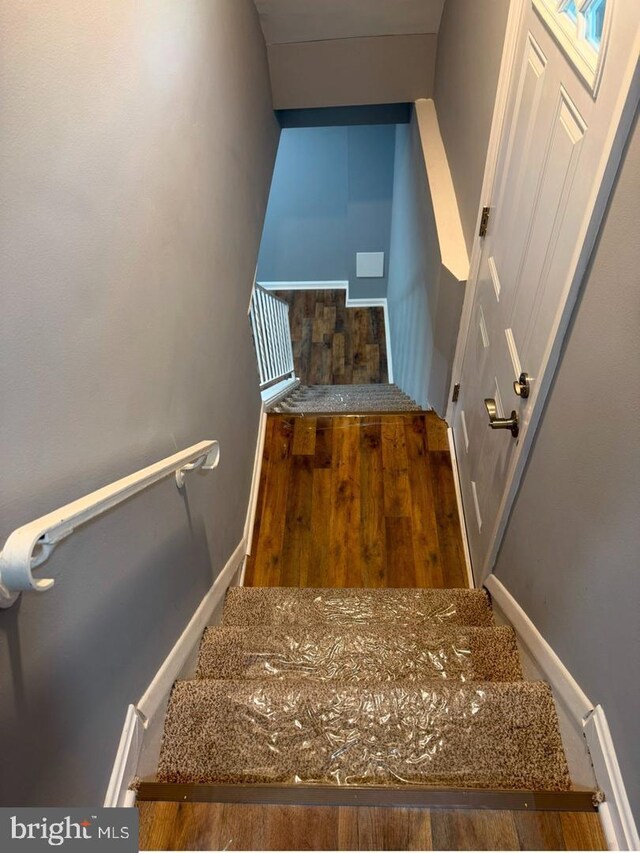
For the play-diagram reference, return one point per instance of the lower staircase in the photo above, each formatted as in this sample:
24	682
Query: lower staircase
381	690
349	399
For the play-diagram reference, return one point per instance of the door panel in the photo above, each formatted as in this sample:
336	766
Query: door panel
551	173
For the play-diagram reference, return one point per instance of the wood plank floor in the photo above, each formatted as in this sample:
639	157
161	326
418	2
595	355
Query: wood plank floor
215	826
333	344
357	501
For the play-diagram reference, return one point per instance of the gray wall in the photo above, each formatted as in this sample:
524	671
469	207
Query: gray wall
468	58
330	198
343	71
413	269
138	142
571	551
424	300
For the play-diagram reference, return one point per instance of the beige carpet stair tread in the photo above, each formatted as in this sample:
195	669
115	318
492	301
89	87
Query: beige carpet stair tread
493	735
402	608
360	653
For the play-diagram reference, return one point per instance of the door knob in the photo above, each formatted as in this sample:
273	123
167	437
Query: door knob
501	423
521	386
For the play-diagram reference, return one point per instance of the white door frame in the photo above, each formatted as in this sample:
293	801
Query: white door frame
589	228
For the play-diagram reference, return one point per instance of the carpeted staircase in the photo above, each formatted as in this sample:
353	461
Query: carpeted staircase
362	687
351	399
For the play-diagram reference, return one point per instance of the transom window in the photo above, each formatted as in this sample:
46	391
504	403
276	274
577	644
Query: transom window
580	28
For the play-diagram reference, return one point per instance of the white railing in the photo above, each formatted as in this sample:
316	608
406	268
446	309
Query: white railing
30	545
272	337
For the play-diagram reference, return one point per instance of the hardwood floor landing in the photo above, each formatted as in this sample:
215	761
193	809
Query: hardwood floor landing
333	344
232	826
357	501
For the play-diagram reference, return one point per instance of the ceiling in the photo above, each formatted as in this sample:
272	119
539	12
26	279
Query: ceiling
287	21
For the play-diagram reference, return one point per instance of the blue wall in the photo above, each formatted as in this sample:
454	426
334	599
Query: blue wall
331	197
424	299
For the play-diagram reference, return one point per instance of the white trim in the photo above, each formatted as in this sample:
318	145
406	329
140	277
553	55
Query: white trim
160	687
387	334
365	302
608	829
277	392
140	717
621	832
129	799
461	515
617	819
125	765
243	571
304	285
517	9
451	242
255	486
554	670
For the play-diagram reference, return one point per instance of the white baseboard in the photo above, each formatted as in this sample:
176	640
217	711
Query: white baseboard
304	285
617	810
556	673
617	819
461	515
126	763
255	485
139	718
161	685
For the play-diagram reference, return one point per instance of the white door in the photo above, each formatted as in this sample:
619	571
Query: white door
569	105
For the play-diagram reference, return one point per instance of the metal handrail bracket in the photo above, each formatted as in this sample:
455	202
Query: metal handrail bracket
30	545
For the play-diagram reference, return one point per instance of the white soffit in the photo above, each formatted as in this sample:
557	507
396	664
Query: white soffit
285	21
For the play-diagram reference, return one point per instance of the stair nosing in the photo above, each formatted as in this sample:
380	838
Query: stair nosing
408	795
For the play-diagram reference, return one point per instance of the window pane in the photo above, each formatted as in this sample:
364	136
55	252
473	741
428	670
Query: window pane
570	10
595	22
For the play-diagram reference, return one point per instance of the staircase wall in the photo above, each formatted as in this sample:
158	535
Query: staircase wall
570	552
427	264
138	144
470	44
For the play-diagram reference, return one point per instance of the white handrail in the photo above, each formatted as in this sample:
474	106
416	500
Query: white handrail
30	545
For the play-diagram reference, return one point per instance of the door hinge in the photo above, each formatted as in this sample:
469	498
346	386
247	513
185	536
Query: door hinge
456	393
484	221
